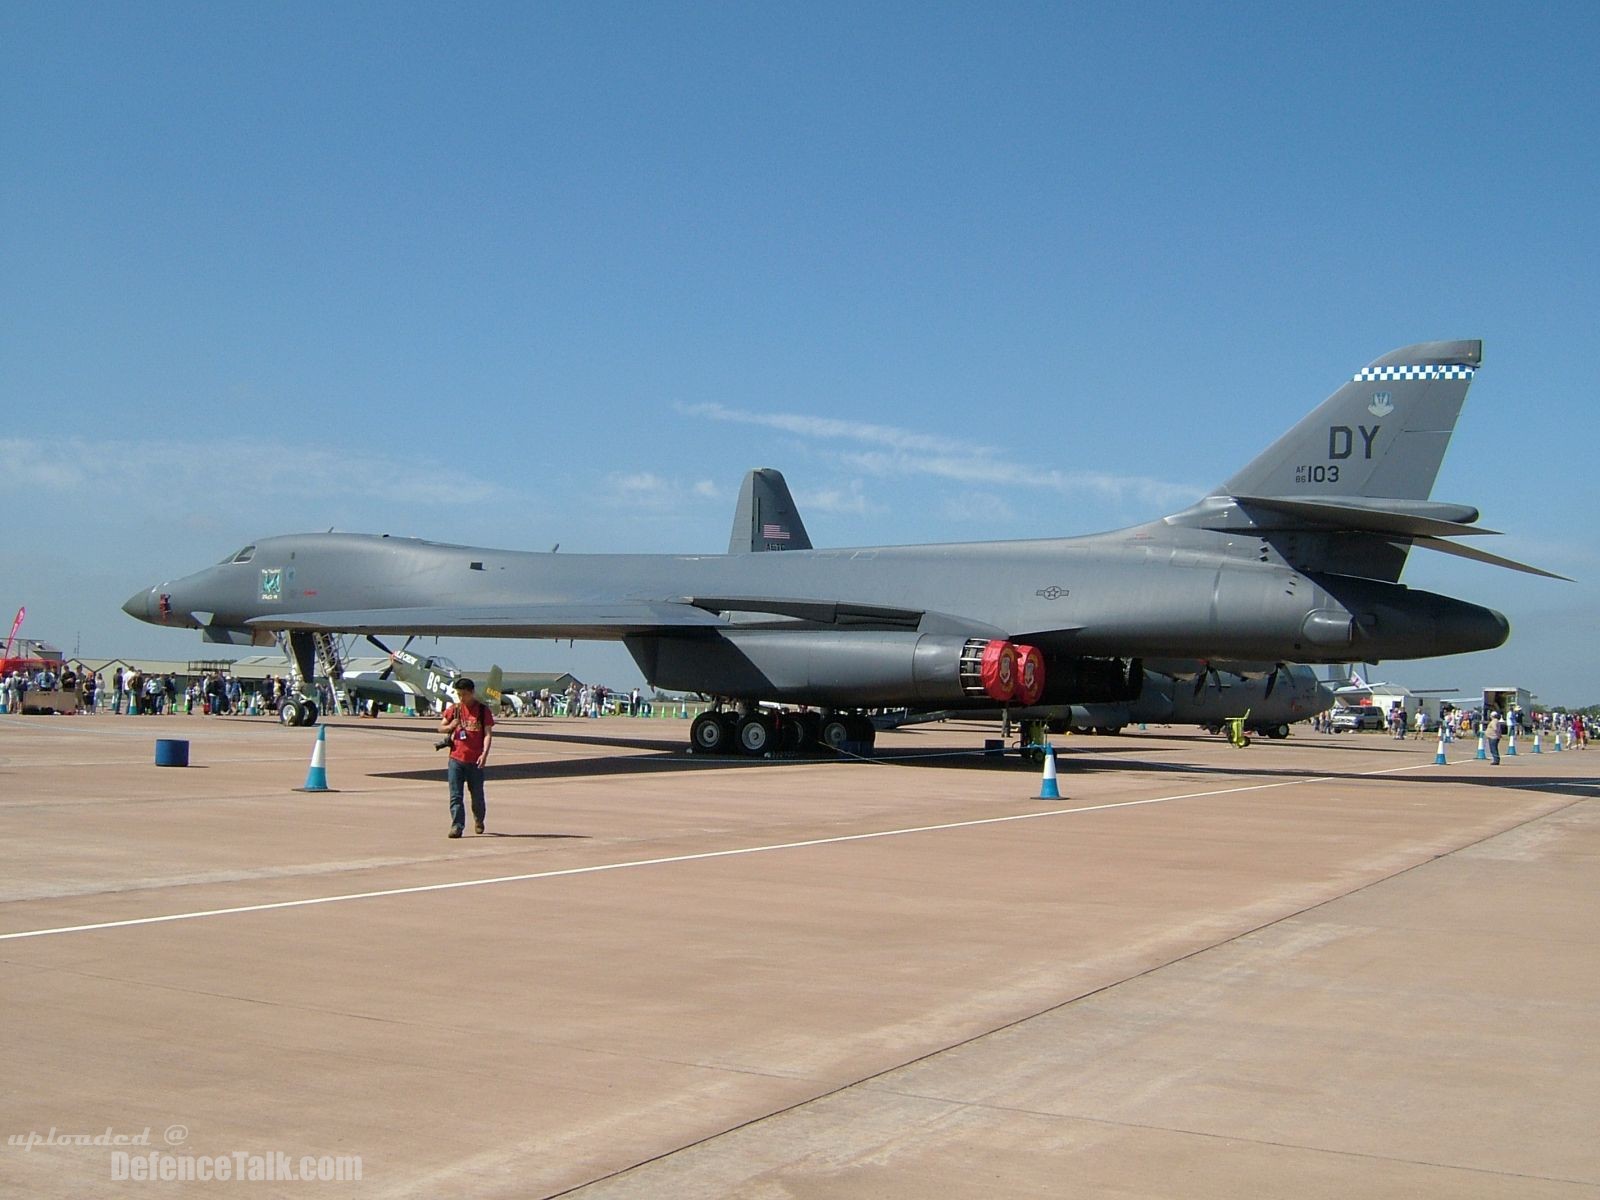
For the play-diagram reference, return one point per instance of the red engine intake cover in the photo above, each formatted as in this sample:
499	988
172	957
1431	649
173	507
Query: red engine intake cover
998	670
1030	675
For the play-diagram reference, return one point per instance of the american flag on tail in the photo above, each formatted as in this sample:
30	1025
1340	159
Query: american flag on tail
774	533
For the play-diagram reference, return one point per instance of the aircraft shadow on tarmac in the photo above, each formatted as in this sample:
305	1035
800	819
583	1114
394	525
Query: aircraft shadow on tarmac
1074	756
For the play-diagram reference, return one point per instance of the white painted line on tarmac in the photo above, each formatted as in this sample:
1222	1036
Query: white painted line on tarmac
654	862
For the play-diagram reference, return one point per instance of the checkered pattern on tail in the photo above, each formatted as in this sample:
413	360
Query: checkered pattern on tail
1430	371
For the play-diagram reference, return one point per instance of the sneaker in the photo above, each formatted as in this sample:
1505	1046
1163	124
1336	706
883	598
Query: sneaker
455	831
477	827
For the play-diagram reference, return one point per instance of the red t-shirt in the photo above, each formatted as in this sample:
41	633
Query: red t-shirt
466	743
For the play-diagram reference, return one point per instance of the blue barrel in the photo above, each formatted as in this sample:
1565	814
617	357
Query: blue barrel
172	752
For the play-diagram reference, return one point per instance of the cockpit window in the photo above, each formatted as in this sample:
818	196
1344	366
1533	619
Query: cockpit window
244	555
440	663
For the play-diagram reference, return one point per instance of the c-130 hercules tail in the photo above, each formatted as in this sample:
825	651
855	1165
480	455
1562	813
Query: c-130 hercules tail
1295	558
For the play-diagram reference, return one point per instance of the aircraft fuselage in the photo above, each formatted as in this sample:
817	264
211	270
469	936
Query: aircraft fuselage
1149	591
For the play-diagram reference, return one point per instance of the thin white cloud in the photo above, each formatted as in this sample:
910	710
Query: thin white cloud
850	501
982	507
898	453
993	471
115	467
827	428
646	489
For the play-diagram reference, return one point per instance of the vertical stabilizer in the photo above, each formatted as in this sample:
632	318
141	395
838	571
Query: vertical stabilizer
766	518
1382	435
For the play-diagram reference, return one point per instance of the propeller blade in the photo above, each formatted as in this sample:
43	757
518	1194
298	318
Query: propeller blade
389	670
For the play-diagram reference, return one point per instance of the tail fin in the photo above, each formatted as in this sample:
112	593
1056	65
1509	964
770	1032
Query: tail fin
766	518
1346	490
1382	435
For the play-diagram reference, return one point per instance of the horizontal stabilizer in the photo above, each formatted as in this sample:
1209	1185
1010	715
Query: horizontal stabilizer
1401	520
1483	556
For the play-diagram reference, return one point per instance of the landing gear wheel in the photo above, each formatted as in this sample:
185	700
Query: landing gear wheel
710	734
835	732
796	734
810	724
1278	732
861	730
309	712
757	734
289	712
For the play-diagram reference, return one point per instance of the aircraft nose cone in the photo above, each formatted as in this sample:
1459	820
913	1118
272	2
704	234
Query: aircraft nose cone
138	604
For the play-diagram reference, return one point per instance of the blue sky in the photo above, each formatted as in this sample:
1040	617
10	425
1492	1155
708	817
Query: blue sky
519	275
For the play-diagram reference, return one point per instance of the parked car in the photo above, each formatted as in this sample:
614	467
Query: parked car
1356	718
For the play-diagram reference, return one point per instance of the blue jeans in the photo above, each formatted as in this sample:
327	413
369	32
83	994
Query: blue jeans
1494	750
469	776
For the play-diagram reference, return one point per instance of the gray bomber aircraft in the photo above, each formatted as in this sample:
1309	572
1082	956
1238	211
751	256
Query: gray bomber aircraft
1296	557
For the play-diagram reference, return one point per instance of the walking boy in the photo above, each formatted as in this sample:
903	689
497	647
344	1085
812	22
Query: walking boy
471	729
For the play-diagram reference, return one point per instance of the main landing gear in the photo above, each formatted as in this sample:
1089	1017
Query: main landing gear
764	732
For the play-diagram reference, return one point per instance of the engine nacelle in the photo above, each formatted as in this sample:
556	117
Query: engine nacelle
861	669
829	669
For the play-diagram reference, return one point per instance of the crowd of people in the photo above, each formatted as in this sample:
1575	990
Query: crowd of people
584	700
1573	728
135	693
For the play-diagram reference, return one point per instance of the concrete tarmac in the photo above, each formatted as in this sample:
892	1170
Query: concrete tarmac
1319	967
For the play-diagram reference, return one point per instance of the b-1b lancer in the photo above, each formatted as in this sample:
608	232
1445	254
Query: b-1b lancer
1295	558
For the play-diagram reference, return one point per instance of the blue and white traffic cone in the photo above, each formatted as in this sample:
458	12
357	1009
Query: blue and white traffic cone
1537	737
1482	754
1558	741
1048	789
317	776
1511	742
1439	760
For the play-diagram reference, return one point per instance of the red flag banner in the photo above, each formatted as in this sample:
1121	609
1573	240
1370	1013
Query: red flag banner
15	625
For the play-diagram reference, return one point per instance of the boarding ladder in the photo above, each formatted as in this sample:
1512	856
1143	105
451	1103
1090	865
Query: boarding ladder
331	657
